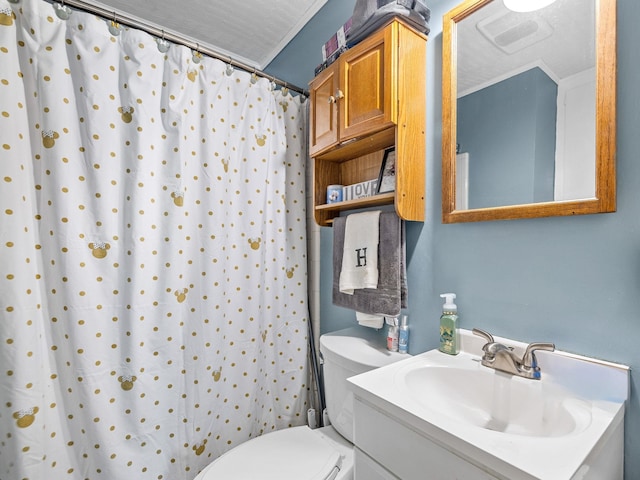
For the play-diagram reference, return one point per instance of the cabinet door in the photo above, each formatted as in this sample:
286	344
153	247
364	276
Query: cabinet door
367	98
323	110
365	468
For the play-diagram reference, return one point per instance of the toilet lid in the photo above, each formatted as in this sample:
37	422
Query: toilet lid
290	454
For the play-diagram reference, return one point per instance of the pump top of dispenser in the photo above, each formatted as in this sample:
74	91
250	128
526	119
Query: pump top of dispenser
449	306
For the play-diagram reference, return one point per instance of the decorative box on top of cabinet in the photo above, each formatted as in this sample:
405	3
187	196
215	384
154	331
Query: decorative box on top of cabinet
370	99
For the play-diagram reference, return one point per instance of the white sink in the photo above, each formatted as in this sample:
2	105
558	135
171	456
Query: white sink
567	425
484	398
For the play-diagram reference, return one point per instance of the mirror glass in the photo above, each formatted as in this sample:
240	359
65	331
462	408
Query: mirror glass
528	110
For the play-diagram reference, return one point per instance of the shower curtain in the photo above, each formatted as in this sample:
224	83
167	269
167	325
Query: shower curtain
153	286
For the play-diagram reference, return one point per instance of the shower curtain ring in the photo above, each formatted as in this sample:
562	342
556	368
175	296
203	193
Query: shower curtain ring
62	11
163	45
114	26
229	70
196	57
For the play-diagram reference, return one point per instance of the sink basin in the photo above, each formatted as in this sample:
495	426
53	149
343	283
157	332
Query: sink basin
569	425
492	400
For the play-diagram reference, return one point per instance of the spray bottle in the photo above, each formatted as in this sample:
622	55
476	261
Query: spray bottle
403	335
449	341
392	333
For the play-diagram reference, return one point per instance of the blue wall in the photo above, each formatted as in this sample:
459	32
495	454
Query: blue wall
297	61
509	131
571	280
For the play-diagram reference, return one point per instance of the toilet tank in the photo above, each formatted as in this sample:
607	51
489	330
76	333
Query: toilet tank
347	353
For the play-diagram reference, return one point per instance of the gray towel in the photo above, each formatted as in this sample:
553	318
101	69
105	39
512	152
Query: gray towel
391	294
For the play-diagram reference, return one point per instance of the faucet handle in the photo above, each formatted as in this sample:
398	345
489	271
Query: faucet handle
529	360
490	347
486	335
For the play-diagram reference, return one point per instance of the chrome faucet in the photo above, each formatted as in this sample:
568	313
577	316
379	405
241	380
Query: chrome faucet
500	357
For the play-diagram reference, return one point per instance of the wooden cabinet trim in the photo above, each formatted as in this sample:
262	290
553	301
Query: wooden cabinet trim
402	125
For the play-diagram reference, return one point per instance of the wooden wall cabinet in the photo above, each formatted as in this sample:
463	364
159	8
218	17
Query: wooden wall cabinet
370	99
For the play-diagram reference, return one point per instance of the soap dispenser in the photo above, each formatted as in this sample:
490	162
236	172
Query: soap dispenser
449	341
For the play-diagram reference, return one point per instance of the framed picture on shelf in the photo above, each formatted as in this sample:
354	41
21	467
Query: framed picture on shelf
387	176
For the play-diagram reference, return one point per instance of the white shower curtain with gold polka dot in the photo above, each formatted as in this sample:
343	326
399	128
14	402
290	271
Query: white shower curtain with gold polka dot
153	295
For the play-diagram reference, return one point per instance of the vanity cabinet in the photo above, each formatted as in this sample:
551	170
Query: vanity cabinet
387	449
449	417
372	98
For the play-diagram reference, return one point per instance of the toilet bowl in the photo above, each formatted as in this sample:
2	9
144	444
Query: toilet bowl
302	453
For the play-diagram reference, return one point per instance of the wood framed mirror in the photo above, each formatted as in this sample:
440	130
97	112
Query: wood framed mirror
529	110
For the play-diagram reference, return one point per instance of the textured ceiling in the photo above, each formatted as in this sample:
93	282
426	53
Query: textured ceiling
562	37
250	31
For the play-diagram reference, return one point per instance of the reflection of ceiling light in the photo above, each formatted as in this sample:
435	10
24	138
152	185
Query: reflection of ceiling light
526	5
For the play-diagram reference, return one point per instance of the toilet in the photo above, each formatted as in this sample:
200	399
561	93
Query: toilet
302	453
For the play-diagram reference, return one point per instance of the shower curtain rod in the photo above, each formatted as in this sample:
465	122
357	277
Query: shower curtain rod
176	38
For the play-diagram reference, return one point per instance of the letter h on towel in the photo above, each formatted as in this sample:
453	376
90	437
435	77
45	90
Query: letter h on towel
359	267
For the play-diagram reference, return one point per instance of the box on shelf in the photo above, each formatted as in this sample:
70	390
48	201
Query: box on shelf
330	47
359	190
334	47
337	41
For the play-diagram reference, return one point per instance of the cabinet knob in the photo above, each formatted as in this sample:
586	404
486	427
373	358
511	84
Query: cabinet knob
332	99
339	94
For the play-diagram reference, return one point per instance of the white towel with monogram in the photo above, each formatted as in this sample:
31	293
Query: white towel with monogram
360	252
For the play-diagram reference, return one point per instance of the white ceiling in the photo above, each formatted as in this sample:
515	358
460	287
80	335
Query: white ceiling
249	31
562	37
253	32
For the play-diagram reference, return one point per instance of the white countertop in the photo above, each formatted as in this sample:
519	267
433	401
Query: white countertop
601	388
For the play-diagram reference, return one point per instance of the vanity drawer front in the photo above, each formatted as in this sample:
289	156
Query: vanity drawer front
404	452
365	468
